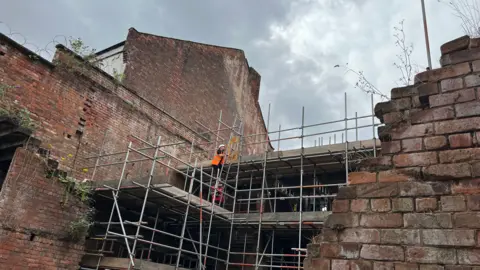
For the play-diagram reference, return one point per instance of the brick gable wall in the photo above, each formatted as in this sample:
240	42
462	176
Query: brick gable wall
195	82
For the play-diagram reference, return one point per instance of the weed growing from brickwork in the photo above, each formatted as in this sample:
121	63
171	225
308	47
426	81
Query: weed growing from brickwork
79	228
17	112
405	66
468	11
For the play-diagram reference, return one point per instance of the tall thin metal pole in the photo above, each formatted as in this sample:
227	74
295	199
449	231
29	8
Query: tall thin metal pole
271	250
211	220
373	127
113	206
218	245
218	132
189	161
200	238
170	159
346	140
130	253
217	180
152	170
301	193
240	149
314	182
356	126
153	234
99	154
279	130
275	194
261	197
425	28
244	249
249	193
182	234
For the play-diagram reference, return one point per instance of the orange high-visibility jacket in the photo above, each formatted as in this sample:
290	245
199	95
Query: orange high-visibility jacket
218	159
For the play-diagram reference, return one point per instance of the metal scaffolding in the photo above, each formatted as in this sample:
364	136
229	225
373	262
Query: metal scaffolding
193	238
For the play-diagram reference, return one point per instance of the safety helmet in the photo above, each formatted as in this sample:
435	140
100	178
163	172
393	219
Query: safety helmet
221	145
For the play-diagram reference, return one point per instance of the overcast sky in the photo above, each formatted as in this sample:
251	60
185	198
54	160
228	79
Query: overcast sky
293	44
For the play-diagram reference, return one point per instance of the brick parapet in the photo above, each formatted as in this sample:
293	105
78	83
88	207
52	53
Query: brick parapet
432	127
416	205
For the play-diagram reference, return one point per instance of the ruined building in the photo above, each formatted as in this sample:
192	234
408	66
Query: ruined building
170	88
105	164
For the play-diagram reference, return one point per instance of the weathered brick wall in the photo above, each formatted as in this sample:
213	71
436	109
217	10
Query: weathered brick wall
35	218
75	110
196	81
418	205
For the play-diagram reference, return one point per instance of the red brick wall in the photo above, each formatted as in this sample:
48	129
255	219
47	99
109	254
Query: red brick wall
63	101
31	205
195	82
418	205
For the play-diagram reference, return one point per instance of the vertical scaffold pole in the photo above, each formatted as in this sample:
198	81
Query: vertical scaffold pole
130	253
240	148
301	194
210	224
218	132
150	177
315	183
200	238
261	194
188	168
279	130
214	151
356	126
182	234
249	193
373	127
244	249
153	235
99	154
124	166
271	250
346	141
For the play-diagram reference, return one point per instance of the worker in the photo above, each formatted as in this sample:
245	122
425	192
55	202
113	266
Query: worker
218	196
219	159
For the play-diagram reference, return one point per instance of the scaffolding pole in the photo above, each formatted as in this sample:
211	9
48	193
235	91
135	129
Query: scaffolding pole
153	234
301	191
200	238
113	206
182	234
150	177
261	194
240	148
346	141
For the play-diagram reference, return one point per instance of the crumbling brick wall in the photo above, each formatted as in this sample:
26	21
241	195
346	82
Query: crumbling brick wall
418	205
36	217
79	111
196	81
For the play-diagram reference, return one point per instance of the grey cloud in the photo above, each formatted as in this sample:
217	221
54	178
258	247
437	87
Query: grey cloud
293	44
